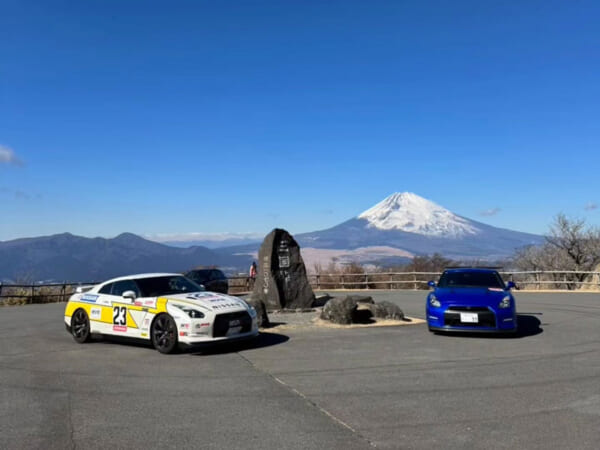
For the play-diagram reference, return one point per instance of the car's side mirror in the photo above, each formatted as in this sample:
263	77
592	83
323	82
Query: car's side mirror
510	285
431	284
129	295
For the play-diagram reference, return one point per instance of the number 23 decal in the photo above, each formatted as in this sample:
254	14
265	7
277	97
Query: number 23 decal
119	315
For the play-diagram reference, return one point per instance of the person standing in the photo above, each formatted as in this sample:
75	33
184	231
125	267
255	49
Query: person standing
252	274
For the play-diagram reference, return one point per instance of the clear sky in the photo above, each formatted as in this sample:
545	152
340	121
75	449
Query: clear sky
240	116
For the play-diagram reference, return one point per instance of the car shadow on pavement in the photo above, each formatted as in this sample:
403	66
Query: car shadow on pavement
264	339
527	325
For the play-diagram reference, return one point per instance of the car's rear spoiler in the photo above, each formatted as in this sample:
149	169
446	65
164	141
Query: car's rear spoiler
82	289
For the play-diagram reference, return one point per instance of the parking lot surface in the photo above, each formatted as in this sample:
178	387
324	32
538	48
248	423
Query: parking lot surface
384	387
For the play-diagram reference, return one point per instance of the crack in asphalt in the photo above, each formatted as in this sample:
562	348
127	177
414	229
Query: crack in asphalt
69	411
307	400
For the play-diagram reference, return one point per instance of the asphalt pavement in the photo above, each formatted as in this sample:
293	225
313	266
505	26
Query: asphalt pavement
384	387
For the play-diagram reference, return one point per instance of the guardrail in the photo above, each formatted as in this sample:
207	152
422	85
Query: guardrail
540	279
550	279
38	293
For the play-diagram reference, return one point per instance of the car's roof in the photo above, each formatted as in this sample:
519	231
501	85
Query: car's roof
204	270
471	269
141	275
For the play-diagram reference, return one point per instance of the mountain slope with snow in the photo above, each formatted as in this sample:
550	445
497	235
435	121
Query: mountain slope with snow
409	212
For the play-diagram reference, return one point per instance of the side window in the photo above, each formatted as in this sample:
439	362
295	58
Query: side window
125	285
106	289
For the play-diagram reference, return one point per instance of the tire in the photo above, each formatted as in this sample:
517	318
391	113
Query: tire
164	334
80	326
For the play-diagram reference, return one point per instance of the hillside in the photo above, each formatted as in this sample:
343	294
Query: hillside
65	257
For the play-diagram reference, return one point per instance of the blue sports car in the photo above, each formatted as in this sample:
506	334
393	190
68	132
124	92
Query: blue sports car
471	299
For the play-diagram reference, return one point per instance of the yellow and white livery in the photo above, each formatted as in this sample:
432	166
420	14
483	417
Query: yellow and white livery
166	309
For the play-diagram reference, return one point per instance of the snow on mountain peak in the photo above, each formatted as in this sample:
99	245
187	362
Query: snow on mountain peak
408	212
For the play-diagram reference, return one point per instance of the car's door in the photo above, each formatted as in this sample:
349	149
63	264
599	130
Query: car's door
127	313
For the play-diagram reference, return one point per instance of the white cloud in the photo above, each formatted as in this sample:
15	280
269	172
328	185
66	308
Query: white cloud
490	212
591	206
8	156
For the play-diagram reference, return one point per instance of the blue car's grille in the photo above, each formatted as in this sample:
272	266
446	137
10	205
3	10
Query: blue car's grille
469	308
486	318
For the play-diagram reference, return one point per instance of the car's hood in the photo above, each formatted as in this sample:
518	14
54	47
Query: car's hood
470	296
211	301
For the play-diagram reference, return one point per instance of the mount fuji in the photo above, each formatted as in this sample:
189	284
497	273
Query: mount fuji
404	225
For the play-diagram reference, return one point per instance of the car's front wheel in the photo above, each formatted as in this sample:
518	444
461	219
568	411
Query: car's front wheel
80	326
164	334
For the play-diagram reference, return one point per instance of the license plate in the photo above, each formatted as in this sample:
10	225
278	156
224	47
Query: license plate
234	330
469	318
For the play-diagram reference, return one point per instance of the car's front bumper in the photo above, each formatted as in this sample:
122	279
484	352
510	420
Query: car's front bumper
489	320
193	341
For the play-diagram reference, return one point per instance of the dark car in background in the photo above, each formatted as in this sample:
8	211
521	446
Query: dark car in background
212	279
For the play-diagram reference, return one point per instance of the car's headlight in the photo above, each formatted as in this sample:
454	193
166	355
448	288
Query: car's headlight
193	313
252	311
505	303
433	301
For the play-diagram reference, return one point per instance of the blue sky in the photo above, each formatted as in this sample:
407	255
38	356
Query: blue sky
240	116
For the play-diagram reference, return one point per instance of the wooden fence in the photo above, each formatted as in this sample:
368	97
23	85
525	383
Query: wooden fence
531	280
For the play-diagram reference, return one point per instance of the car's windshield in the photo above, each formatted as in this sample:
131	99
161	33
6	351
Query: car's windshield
471	279
157	286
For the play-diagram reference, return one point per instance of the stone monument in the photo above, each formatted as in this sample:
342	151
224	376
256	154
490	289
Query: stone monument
281	281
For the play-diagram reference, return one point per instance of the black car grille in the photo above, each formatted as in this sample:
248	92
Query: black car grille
486	318
221	325
469	308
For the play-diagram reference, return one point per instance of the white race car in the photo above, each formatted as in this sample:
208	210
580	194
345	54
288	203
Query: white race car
165	308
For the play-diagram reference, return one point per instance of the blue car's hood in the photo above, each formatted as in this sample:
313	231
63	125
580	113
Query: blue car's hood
470	296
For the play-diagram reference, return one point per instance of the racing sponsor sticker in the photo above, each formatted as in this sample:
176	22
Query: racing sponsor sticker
96	313
89	298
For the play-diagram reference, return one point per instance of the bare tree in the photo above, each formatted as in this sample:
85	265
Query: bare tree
579	243
570	245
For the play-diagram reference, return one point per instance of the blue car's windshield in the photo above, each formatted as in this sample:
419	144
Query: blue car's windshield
471	279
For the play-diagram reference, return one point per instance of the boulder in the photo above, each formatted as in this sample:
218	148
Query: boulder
340	310
361	298
281	281
386	310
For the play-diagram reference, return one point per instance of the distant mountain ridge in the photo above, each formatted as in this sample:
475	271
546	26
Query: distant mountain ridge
410	225
392	231
66	257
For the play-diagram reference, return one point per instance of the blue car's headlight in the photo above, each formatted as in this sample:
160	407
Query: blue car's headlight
433	301
505	303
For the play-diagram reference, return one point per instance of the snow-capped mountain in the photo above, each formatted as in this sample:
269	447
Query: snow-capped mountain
419	226
409	212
